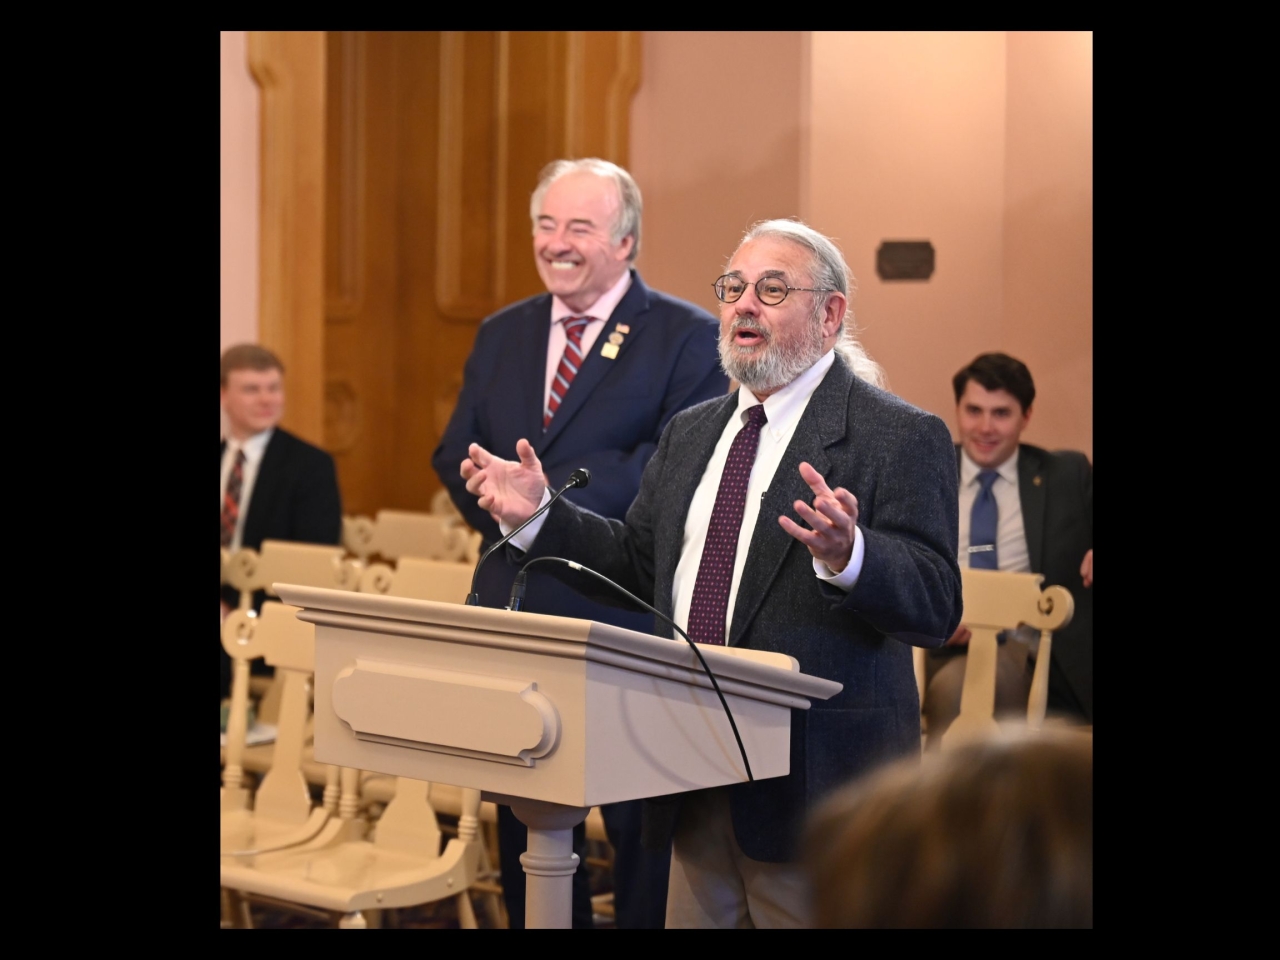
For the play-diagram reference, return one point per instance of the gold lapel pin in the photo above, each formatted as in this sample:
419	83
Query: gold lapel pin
610	349
1036	481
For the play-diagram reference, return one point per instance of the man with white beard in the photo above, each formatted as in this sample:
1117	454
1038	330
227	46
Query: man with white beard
859	567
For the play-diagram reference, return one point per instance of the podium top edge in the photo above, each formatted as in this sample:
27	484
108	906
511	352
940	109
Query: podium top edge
588	636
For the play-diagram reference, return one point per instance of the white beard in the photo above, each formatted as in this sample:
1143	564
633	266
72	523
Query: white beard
777	364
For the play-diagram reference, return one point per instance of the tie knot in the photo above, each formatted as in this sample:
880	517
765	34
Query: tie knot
573	327
756	417
987	478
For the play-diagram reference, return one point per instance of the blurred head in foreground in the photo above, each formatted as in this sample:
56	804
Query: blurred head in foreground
995	834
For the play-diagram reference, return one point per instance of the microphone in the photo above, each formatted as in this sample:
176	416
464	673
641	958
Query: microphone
517	598
579	478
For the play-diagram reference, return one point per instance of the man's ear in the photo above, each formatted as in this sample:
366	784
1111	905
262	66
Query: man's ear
836	307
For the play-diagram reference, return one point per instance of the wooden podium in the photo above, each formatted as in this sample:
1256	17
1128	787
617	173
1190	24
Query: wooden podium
550	715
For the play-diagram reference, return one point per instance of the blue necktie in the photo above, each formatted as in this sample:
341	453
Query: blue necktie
982	524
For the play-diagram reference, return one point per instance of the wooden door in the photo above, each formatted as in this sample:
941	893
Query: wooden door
396	217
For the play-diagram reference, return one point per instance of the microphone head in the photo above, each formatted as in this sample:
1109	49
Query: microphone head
580	477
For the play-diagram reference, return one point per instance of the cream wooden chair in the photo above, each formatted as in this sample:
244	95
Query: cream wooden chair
280	812
393	534
445	581
993	601
283	561
288	848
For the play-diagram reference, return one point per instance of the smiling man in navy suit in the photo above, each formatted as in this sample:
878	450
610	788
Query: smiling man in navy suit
591	371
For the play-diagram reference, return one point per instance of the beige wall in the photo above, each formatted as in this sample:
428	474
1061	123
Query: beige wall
715	146
980	142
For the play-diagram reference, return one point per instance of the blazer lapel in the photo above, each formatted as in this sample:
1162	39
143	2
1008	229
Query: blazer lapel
265	487
532	377
1031	493
823	423
596	366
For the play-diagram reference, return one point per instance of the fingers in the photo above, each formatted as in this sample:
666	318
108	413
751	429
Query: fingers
524	450
814	479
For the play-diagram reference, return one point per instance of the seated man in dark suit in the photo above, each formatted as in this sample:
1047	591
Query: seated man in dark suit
275	486
1041	521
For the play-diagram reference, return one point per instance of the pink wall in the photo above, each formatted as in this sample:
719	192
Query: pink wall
979	142
908	144
239	183
1048	229
715	146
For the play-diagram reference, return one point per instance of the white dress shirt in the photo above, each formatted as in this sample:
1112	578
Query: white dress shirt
253	448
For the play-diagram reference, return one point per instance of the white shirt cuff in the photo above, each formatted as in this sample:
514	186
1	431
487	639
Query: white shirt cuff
525	538
846	578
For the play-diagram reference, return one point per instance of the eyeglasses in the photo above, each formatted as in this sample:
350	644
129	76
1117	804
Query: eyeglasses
770	290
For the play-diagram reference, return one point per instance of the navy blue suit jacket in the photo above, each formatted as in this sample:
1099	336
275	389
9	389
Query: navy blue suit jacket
609	422
896	459
295	497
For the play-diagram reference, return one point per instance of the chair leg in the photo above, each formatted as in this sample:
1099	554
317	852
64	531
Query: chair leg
466	913
235	910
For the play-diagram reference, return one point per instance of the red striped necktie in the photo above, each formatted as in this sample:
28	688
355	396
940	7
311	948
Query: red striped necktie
568	369
231	502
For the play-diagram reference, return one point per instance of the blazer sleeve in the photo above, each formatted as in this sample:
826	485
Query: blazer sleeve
316	504
910	587
462	430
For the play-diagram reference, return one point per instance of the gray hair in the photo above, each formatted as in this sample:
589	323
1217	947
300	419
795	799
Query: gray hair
828	269
629	202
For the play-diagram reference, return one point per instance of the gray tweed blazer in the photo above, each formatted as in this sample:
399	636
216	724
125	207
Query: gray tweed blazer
900	463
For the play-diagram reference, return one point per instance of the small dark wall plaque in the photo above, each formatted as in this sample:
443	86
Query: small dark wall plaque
905	260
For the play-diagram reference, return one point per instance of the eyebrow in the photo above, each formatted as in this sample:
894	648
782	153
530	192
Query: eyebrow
582	220
780	274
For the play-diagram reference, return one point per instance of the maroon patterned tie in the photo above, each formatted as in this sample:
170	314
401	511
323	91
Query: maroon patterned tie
231	502
710	603
569	364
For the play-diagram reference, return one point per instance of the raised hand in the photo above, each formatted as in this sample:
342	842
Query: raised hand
510	490
832	519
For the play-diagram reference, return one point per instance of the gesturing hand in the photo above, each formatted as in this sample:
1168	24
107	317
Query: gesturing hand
510	490
832	518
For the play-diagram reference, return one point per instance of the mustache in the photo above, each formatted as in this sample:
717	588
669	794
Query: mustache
748	323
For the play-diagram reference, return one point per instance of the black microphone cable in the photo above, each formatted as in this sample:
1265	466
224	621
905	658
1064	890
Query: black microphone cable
579	478
517	598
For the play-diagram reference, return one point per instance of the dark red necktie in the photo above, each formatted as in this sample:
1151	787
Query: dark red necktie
569	364
231	502
710	604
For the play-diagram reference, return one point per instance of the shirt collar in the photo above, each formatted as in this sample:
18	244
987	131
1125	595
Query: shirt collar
254	447
602	309
784	407
969	470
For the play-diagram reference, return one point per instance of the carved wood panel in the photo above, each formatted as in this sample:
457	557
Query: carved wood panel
430	143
